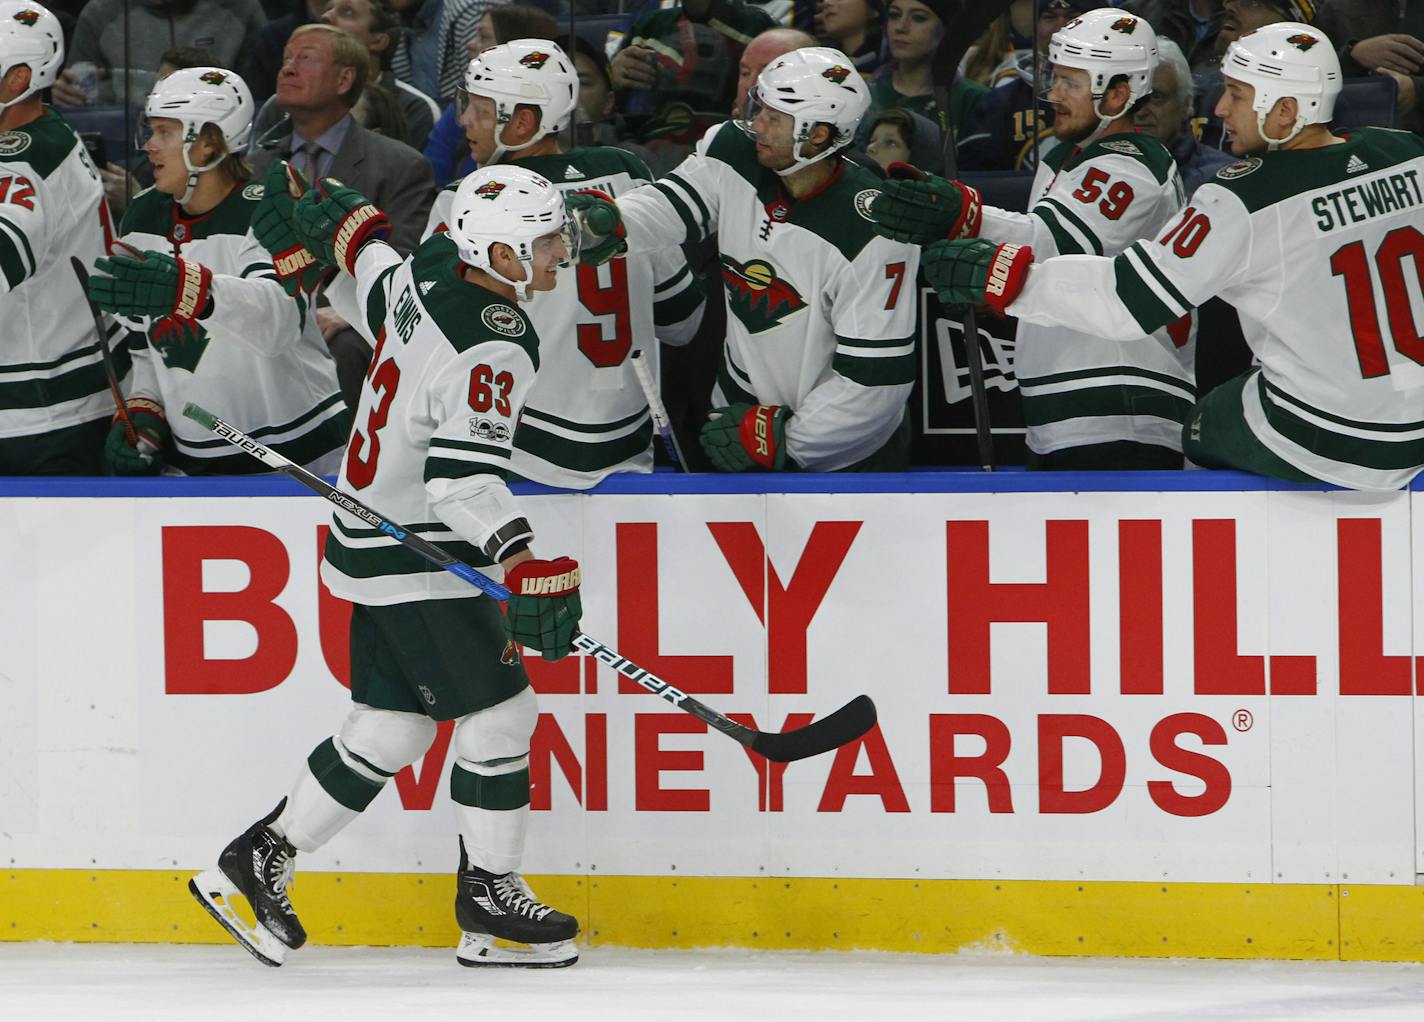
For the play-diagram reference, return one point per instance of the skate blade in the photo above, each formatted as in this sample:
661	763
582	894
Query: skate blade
214	892
479	951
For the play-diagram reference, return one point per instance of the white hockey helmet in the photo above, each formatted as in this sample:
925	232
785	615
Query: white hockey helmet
30	35
197	96
1287	59
1108	43
534	72
814	85
509	205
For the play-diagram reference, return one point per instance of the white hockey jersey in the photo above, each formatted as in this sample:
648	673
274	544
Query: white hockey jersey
452	368
259	360
1078	387
51	208
587	416
821	309
1321	253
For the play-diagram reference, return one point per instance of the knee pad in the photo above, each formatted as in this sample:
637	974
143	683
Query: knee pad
499	734
386	739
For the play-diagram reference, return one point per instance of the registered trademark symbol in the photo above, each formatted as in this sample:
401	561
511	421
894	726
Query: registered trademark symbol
1242	720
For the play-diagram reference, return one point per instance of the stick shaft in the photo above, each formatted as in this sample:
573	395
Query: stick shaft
105	355
662	424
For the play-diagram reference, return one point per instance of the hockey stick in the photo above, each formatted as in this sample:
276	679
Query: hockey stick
848	723
107	357
946	66
662	425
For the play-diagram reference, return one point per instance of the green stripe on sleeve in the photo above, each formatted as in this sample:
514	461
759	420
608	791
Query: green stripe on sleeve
1151	313
1067	244
875	372
696	198
376	303
24	243
450	468
677	307
1075	221
694	230
1162	279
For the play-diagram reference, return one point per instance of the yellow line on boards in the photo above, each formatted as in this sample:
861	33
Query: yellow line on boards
1304	921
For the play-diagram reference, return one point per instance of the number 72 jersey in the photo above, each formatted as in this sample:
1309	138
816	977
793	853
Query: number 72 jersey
1321	252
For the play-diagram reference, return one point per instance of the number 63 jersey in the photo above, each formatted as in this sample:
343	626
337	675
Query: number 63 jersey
434	428
1321	253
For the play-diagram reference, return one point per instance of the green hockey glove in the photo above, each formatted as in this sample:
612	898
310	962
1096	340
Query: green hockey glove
920	208
146	457
297	269
334	222
600	223
977	272
544	605
152	284
744	438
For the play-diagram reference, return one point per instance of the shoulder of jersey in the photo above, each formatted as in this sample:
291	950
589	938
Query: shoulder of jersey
42	144
466	315
149	212
591	162
1147	150
853	193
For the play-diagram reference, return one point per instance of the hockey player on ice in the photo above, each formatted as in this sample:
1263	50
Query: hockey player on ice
454	362
55	402
820	353
211	323
1088	402
1314	238
587	416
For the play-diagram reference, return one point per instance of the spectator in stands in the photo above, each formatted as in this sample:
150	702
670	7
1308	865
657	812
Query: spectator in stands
1011	124
914	29
373	23
1384	38
266	59
1191	24
120	185
447	149
1010	34
1168	115
1243	16
596	120
324	71
434	33
853	27
227	28
898	136
761	51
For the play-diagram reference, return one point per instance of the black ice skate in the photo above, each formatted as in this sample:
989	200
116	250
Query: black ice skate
490	906
258	865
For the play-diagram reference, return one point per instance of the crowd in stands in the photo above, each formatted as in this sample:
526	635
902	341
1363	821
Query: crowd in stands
366	91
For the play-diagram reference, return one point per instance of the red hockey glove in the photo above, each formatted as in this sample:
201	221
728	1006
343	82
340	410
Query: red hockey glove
544	605
743	437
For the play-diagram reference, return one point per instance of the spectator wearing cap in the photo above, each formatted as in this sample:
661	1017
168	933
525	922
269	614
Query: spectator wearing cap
853	27
1381	38
1191	24
913	30
1168	115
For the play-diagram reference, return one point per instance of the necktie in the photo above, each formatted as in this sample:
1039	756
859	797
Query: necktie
307	156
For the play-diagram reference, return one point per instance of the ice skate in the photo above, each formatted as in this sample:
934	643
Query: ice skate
500	906
257	865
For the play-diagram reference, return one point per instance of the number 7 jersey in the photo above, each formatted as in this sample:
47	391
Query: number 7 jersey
1321	253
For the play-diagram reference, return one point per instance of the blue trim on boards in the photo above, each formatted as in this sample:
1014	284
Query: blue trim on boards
667	482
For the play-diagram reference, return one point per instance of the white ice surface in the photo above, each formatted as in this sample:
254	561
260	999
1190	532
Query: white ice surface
102	982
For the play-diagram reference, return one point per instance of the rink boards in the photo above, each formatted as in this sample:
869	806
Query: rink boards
1180	719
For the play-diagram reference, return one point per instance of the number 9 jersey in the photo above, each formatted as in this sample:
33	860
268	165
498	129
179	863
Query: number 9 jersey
434	430
1321	252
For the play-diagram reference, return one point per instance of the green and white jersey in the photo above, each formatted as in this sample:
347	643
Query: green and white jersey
1078	387
587	416
51	208
258	360
452	369
1321	253
821	309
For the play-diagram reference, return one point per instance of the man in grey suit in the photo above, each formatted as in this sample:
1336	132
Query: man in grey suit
323	73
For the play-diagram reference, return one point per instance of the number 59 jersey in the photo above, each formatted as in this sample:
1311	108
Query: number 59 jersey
1321	252
434	429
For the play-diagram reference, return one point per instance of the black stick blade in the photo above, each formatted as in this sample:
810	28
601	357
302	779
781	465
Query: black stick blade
847	724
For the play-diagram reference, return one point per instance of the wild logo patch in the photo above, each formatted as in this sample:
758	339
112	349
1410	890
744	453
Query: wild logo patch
503	320
535	60
213	78
12	142
863	199
837	74
490	190
759	296
1240	168
27	17
254	191
1302	42
1126	26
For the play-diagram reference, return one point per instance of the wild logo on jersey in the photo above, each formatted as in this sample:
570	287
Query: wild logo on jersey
27	17
1303	42
760	298
535	60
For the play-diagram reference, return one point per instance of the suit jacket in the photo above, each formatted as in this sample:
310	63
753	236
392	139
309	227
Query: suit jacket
388	172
